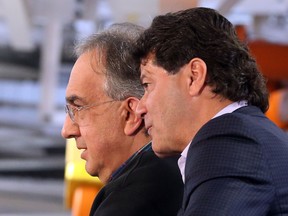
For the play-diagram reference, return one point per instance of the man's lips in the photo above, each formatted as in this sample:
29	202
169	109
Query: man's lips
80	147
84	154
83	151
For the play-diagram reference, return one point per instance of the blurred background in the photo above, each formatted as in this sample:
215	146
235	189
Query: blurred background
36	46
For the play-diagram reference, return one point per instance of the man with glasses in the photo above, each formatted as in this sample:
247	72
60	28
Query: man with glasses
102	95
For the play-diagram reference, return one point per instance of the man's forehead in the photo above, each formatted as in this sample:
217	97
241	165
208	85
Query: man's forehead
147	70
150	58
84	84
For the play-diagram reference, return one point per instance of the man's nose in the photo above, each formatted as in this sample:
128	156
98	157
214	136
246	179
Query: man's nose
69	129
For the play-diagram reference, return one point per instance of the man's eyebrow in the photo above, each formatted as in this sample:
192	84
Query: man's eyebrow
145	74
71	99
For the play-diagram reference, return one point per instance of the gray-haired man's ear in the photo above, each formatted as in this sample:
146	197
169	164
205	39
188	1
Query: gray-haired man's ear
133	122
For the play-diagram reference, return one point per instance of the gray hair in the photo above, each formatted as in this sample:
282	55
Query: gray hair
114	47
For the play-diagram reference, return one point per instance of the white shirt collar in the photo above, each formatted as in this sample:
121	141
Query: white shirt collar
231	108
228	109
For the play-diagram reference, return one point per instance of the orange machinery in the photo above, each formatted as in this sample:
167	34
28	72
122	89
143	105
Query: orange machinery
80	187
272	59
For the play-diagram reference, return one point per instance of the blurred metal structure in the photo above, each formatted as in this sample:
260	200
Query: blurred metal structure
41	25
23	18
17	18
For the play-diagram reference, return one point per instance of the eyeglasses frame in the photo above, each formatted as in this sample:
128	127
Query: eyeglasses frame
71	110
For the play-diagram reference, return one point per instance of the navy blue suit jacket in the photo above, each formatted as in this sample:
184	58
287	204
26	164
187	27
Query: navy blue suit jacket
237	164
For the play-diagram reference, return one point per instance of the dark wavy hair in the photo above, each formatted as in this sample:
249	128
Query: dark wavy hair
176	38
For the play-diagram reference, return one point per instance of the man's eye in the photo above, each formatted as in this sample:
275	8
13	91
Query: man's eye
145	85
77	106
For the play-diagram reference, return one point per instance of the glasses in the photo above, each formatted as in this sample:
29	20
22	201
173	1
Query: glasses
71	110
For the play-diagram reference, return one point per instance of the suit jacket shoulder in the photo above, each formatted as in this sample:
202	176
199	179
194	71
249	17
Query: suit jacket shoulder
236	161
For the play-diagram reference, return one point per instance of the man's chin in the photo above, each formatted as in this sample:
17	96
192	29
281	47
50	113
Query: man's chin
162	152
90	171
161	155
165	154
